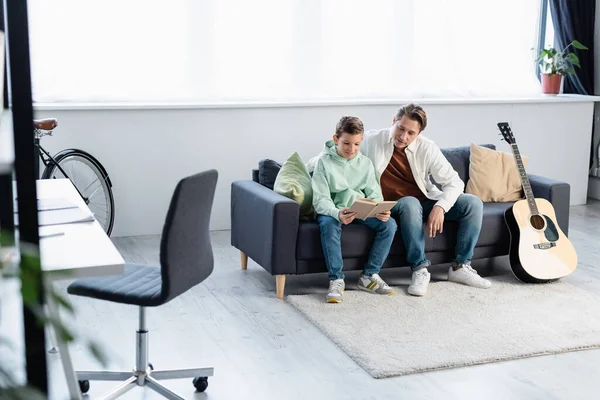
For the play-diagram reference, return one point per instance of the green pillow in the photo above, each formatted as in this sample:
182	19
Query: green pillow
293	181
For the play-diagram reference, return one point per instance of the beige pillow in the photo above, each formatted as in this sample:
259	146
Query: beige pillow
493	175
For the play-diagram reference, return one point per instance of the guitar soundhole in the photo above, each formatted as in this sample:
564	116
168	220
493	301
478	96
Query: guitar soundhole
537	221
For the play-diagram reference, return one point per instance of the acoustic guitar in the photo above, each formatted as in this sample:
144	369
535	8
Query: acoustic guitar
539	250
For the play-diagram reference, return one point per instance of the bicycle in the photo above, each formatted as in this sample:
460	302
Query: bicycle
85	172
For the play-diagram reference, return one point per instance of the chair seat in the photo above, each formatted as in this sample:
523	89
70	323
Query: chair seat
140	285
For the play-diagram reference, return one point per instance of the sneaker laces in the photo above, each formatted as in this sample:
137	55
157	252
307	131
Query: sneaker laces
336	286
379	281
470	270
420	276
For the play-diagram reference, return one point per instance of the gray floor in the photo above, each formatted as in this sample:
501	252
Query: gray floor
262	348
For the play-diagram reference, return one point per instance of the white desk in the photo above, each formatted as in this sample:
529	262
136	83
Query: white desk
83	251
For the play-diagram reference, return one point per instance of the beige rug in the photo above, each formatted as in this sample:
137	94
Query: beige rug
455	325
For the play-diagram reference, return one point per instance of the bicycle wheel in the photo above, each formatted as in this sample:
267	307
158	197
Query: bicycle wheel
90	179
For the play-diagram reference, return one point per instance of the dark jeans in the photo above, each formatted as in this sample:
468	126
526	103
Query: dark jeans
331	232
410	214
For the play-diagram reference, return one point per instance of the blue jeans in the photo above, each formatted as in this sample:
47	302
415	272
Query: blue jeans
410	214
331	233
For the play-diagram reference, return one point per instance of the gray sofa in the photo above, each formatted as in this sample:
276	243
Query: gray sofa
265	226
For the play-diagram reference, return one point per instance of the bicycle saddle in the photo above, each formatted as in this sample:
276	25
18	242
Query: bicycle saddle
45	124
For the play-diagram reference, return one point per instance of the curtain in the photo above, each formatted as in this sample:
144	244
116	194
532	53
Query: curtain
280	50
575	20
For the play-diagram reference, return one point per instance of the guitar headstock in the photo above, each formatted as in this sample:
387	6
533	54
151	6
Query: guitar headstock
506	133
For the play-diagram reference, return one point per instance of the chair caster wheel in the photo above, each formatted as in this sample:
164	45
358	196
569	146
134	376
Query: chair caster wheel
151	366
84	386
200	383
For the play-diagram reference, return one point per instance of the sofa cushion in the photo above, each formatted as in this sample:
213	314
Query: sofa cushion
493	175
294	183
493	229
458	157
357	239
267	172
356	242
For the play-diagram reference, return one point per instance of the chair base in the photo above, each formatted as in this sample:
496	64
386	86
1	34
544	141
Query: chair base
143	374
146	377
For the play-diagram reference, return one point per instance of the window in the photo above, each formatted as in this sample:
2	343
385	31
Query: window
280	50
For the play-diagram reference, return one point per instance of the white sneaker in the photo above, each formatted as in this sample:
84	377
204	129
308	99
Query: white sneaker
468	276
418	283
336	291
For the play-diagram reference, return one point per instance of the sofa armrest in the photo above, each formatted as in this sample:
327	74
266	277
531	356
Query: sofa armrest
264	225
556	192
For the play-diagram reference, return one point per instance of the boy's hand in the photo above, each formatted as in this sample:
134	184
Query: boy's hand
346	216
435	222
383	217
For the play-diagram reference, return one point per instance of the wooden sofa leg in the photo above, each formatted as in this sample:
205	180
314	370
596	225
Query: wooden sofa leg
279	285
244	259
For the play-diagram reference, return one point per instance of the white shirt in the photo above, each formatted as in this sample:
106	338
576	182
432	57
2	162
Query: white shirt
424	157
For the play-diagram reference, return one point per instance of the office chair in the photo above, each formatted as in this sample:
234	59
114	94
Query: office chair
186	259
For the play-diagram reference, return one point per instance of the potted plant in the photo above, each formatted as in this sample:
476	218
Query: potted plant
555	64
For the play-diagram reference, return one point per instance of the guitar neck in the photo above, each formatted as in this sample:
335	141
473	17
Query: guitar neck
524	180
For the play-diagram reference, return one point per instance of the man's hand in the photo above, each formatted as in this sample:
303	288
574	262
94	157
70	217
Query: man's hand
346	216
383	217
435	223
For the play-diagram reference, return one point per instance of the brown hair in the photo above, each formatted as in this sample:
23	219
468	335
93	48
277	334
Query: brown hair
350	125
414	112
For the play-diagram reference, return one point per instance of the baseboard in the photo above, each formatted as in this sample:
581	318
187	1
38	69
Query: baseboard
594	187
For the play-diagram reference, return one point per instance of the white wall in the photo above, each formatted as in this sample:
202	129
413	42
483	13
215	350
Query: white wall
147	151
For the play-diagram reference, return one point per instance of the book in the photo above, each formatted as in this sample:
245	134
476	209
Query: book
365	208
64	216
58	211
50	204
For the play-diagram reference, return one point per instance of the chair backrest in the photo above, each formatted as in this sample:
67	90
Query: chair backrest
186	255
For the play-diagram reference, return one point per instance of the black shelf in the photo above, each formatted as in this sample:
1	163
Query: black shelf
18	76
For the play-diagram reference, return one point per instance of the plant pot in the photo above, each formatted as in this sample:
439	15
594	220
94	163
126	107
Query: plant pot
551	83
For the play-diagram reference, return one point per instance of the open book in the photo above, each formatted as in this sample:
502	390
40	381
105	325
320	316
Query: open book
58	211
365	208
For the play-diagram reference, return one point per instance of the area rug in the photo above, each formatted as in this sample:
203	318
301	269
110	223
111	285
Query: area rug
455	325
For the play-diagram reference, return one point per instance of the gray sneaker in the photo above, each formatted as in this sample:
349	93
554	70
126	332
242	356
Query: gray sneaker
335	293
374	284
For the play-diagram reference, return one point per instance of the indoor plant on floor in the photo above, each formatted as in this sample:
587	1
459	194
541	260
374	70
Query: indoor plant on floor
554	64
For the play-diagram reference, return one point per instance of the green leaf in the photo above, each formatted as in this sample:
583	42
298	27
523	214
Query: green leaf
570	70
59	328
64	332
22	393
573	59
578	45
62	301
29	287
97	353
544	54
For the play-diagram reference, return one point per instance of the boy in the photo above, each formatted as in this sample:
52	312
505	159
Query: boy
343	174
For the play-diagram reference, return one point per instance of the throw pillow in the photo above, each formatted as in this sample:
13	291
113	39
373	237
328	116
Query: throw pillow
267	172
293	181
493	175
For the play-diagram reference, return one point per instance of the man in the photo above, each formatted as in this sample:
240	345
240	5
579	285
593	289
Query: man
404	160
342	175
